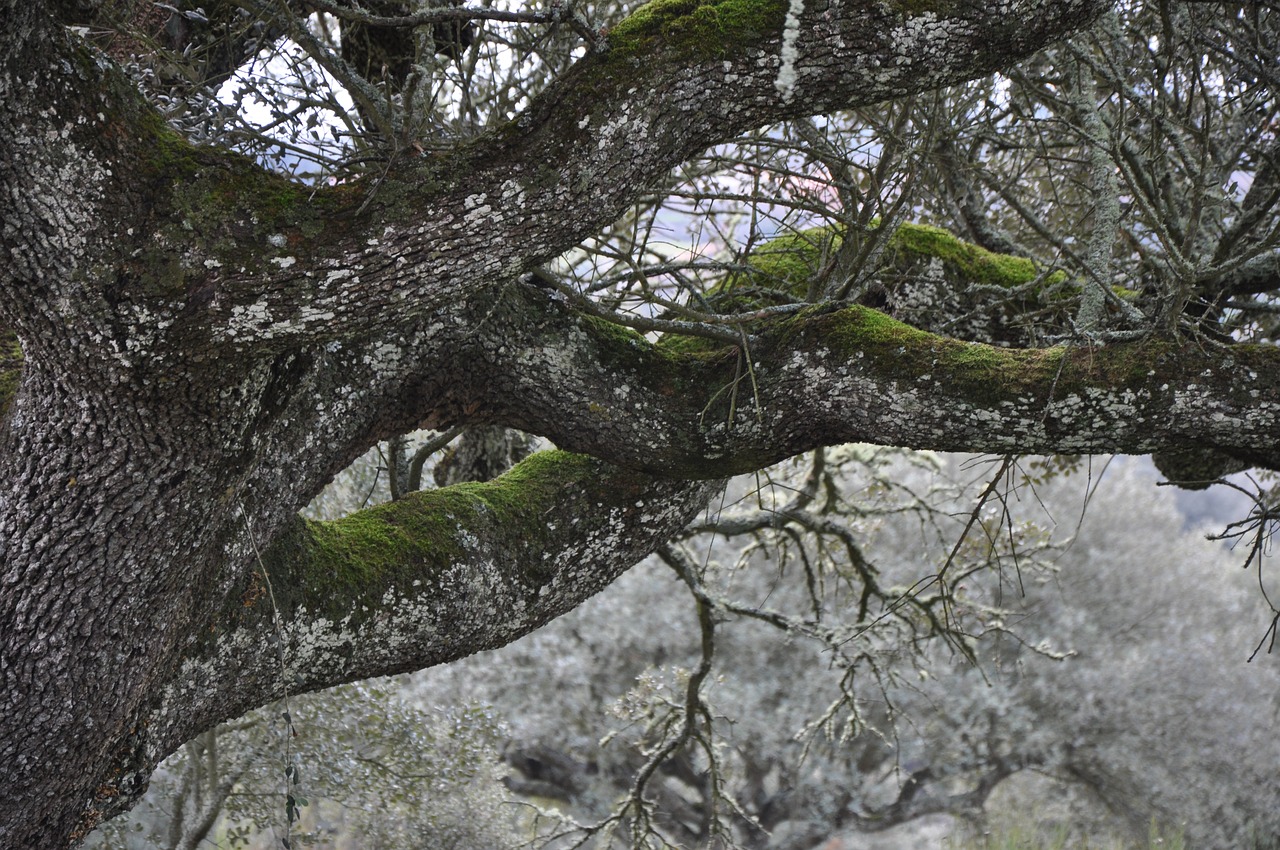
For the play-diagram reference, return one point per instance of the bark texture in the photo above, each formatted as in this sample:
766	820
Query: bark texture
191	347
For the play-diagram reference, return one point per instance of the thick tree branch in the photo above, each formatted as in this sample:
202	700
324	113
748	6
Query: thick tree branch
251	262
203	344
832	376
675	80
428	579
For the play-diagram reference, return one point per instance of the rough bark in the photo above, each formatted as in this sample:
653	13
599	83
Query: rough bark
203	345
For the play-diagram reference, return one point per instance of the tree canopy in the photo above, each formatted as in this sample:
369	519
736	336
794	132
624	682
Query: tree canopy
221	288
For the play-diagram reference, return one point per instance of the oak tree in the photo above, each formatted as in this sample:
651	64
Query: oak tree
192	343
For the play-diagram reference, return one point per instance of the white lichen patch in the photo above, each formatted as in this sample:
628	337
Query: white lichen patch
785	82
309	315
247	319
513	193
384	356
338	275
478	214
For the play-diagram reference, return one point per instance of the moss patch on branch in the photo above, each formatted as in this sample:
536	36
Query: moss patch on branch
984	374
10	368
900	350
787	262
214	208
706	28
344	567
974	263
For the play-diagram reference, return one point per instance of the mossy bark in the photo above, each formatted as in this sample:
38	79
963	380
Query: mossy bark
10	368
852	374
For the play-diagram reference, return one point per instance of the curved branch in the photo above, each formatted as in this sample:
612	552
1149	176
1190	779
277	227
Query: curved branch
831	375
911	804
252	262
435	576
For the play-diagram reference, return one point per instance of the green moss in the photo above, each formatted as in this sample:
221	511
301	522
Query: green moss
789	261
781	270
411	542
224	207
10	369
920	7
974	263
689	346
170	155
518	500
382	543
219	187
863	327
623	349
701	27
899	350
614	334
981	373
787	264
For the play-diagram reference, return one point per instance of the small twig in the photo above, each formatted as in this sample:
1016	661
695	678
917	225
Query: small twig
705	329
290	771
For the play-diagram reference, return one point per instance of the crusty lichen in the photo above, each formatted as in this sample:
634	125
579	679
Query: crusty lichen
219	206
920	7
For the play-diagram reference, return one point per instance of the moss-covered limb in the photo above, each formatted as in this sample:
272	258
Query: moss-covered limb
435	576
926	276
338	568
697	27
680	74
1136	397
787	262
974	263
832	375
216	248
208	247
